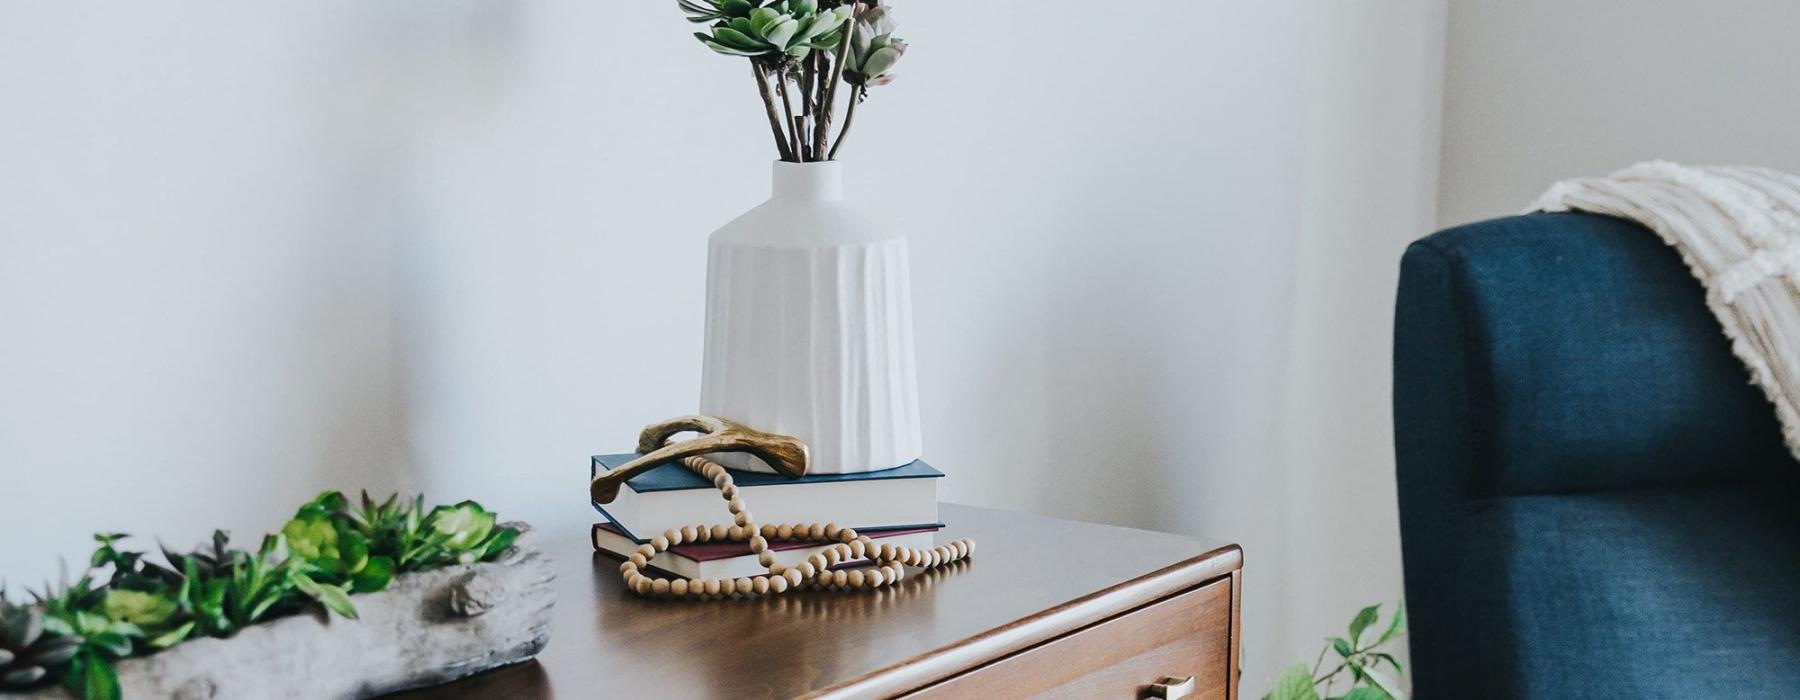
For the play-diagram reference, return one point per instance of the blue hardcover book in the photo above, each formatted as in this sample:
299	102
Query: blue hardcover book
670	496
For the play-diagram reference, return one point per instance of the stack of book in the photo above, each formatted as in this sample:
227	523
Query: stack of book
896	506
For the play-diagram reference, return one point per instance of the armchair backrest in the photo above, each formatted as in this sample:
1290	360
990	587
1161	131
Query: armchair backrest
1563	353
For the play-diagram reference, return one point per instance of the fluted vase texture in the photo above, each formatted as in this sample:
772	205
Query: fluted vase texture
809	326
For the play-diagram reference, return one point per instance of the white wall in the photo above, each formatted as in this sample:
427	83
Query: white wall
247	253
195	299
1540	90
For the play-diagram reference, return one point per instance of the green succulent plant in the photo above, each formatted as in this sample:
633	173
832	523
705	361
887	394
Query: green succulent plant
72	610
787	28
873	49
800	51
332	551
157	615
30	655
467	532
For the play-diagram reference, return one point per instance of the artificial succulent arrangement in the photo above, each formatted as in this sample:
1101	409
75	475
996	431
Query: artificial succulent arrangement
1362	656
127	605
800	52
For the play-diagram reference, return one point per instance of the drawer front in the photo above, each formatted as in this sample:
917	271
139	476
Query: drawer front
1188	634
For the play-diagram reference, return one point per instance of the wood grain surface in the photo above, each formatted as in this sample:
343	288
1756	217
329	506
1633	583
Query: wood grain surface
1033	581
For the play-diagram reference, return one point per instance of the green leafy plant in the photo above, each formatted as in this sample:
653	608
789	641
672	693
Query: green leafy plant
126	605
800	51
30	655
1373	672
332	552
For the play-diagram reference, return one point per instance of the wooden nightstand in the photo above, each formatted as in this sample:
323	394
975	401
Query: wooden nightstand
1047	607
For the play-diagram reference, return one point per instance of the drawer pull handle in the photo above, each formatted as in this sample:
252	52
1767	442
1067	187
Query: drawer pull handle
1170	688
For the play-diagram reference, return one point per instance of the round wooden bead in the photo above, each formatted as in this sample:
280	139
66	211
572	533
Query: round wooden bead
857	550
806	569
736	532
674	537
760	584
627	568
641	585
720	531
970	545
646	550
660	586
659	543
721	480
744	585
637	559
678	586
846	535
769	530
839	578
758	544
729	492
690	533
742	518
778	584
785	532
815	531
876	577
854	577
793	576
832	530
818	562
734	505
712	586
766	559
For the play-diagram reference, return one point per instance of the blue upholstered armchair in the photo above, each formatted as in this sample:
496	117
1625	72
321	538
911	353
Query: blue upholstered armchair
1594	501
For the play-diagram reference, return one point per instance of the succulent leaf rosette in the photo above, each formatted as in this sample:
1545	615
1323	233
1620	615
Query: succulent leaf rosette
789	28
874	50
30	653
801	50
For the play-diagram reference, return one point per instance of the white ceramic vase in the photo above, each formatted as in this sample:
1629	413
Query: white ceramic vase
809	327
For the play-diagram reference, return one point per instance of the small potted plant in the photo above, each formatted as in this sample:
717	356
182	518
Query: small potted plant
808	289
423	596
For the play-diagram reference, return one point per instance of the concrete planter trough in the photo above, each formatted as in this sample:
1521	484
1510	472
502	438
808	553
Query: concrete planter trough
427	628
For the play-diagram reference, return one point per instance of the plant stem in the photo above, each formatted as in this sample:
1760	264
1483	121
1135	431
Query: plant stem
856	96
787	107
781	140
828	104
808	105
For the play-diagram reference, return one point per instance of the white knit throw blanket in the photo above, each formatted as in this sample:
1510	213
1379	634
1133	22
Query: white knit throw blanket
1738	229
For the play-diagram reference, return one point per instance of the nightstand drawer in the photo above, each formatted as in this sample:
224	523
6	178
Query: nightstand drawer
1188	634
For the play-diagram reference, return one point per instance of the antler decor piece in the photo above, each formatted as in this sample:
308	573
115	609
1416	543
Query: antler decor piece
719	435
785	454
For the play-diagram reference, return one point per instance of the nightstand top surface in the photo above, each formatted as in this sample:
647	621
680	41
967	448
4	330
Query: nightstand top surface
607	642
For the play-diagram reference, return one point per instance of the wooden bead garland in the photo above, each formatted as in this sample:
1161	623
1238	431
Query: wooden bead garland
815	573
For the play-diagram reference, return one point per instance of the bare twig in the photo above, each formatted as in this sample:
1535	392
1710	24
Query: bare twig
808	106
822	132
787	107
856	96
781	139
